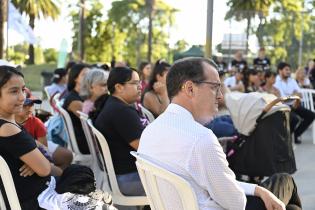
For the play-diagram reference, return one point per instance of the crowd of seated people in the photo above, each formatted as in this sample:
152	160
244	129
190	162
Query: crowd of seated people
42	180
261	78
111	99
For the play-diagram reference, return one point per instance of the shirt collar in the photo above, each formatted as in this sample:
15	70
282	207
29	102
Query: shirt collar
177	109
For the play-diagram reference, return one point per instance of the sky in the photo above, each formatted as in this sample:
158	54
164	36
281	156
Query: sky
190	24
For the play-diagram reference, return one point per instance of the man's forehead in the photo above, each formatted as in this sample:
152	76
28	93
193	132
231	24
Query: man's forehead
210	72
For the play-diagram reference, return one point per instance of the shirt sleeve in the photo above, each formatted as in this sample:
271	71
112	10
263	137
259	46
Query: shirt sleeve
128	122
216	178
40	130
296	86
20	144
248	188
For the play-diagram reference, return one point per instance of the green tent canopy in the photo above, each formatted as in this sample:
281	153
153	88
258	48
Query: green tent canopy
194	51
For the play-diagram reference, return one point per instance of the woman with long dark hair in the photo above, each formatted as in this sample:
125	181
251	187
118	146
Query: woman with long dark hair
155	97
73	103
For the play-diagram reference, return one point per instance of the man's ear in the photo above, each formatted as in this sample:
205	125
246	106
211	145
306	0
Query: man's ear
188	88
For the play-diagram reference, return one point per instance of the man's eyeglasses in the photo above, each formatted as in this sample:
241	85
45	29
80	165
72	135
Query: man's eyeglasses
215	85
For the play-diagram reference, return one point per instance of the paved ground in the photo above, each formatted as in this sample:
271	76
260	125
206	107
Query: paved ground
305	161
305	175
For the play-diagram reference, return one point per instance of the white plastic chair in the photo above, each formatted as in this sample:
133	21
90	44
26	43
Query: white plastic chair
98	165
84	159
308	103
9	187
113	188
153	174
147	113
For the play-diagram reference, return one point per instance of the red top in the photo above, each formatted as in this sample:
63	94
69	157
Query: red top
35	127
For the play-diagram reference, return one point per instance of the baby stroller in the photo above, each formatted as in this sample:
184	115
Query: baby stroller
264	145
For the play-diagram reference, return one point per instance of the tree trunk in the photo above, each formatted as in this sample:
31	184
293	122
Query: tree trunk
31	59
150	5
3	9
259	33
247	34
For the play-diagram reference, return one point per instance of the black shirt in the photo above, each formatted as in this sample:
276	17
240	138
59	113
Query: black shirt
11	149
240	65
120	124
262	64
77	126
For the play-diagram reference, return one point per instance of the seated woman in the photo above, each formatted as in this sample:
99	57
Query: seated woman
29	168
270	79
93	85
144	72
122	127
301	79
251	81
59	84
60	156
155	97
73	103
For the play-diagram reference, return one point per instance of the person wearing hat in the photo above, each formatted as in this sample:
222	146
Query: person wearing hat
60	156
59	84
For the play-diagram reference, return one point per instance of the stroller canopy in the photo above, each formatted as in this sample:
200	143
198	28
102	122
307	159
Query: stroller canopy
245	109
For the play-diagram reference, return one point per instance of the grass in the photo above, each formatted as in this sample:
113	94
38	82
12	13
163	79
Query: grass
32	75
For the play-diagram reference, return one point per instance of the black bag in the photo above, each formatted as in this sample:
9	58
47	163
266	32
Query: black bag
267	150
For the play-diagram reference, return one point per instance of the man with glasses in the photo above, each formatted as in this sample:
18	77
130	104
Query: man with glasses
178	139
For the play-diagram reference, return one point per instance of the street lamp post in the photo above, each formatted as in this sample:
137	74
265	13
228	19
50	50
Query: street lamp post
209	29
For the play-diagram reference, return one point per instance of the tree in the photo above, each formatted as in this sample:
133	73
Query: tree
284	30
3	17
248	9
36	9
132	17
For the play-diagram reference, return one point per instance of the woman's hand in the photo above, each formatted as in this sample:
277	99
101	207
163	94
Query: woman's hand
25	171
160	88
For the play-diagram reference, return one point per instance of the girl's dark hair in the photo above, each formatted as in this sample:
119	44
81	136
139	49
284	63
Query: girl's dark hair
269	74
74	73
247	73
118	75
141	67
98	104
6	72
160	67
69	65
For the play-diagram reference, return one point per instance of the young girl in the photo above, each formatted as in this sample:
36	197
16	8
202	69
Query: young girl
29	168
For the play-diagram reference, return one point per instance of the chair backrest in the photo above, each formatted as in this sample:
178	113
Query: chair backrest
147	113
72	144
109	168
9	186
98	165
307	98
154	177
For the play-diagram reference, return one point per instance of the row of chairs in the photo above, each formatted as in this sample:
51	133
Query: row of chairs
308	103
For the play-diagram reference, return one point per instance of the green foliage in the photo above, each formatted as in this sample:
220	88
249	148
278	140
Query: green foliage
280	26
50	55
123	33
